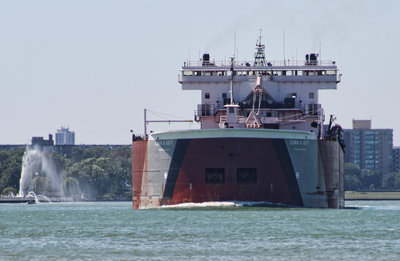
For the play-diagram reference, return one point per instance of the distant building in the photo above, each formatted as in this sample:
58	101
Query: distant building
361	124
396	159
369	148
65	137
42	144
40	141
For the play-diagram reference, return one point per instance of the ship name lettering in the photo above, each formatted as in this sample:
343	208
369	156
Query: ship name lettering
165	142
299	142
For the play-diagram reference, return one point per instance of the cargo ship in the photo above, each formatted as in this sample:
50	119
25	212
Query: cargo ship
262	138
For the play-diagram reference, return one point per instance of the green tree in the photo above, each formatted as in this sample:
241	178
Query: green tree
60	161
370	179
352	174
9	191
361	179
97	170
10	167
391	181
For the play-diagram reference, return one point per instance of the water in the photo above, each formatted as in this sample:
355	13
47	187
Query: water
113	231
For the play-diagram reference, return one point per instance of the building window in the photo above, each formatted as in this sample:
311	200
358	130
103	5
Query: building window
207	95
246	176
311	95
215	175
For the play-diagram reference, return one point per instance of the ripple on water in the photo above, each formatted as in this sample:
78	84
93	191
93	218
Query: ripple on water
112	230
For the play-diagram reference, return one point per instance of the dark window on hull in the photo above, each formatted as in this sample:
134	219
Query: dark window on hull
247	176
215	175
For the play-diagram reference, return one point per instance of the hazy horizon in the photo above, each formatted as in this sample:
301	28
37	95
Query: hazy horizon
93	66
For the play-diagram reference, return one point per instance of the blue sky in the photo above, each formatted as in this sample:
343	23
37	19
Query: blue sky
94	65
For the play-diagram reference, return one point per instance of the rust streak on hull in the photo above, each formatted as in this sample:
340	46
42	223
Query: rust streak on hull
139	164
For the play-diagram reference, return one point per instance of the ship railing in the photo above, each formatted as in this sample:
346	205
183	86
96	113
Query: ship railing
227	63
239	119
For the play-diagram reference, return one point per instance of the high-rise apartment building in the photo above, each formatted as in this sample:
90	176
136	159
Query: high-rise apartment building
396	159
369	148
65	137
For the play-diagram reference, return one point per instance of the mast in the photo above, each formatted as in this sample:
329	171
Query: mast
232	75
145	124
259	55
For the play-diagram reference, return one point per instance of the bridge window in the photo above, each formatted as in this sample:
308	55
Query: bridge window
311	95
207	95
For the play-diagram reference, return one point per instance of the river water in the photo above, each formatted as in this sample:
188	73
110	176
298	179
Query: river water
113	231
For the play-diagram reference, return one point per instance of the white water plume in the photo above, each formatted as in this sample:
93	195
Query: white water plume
39	174
32	194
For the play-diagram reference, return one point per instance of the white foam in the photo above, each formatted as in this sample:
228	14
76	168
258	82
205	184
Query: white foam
218	204
203	205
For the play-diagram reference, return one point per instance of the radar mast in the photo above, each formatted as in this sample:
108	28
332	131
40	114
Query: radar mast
259	55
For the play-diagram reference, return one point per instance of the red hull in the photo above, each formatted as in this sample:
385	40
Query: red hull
271	184
186	181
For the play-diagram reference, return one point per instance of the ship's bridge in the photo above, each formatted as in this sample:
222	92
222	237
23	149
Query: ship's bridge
287	71
274	94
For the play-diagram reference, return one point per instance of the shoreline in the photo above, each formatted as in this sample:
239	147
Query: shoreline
372	195
349	196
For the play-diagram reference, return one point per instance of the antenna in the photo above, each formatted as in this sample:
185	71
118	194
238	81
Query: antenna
259	55
234	44
320	51
232	75
284	48
145	124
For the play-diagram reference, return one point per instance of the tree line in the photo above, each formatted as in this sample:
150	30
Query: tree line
96	172
104	172
368	180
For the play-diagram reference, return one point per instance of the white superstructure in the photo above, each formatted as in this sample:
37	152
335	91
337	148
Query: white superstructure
260	94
